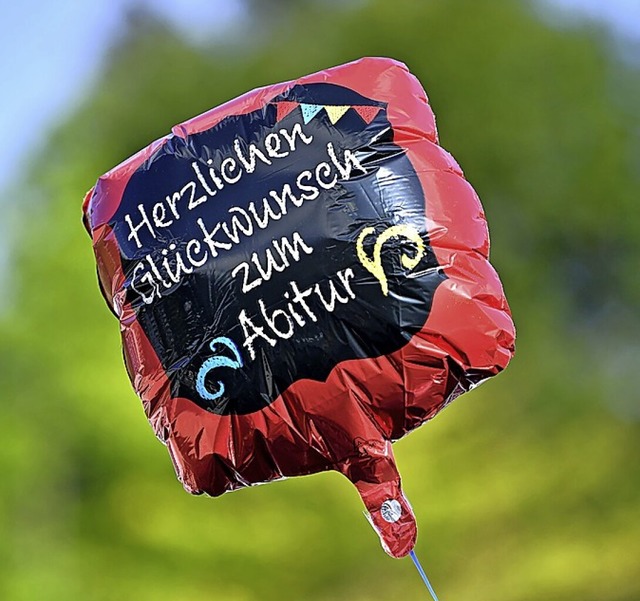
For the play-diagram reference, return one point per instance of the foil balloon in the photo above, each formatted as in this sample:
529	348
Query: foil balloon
301	277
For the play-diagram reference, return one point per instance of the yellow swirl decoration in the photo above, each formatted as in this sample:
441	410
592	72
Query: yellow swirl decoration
374	264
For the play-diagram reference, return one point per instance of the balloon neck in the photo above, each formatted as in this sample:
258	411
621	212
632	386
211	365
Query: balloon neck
378	482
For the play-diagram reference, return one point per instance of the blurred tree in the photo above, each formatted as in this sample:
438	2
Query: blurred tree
530	490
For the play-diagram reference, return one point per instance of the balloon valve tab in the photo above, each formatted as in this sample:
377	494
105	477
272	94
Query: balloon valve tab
414	559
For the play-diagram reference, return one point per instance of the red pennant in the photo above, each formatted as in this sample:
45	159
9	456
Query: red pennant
367	113
284	108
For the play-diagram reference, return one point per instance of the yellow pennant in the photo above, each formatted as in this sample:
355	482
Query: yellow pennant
335	112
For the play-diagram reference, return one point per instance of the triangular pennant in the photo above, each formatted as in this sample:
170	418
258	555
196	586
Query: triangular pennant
335	112
309	111
368	113
284	108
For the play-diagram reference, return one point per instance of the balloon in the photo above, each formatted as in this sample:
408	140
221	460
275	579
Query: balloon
301	277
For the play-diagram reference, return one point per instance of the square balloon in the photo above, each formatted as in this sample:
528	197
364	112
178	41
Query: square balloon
301	277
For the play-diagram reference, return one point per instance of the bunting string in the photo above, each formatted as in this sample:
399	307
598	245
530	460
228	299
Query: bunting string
334	112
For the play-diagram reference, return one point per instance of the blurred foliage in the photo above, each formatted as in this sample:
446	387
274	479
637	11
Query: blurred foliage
527	488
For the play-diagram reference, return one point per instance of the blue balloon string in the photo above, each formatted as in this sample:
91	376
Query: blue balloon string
416	562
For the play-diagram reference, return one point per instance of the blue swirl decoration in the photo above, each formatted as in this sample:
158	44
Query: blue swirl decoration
215	362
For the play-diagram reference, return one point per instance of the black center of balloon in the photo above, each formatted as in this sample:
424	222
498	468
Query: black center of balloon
249	272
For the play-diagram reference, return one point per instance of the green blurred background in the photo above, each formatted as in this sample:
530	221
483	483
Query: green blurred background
527	488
